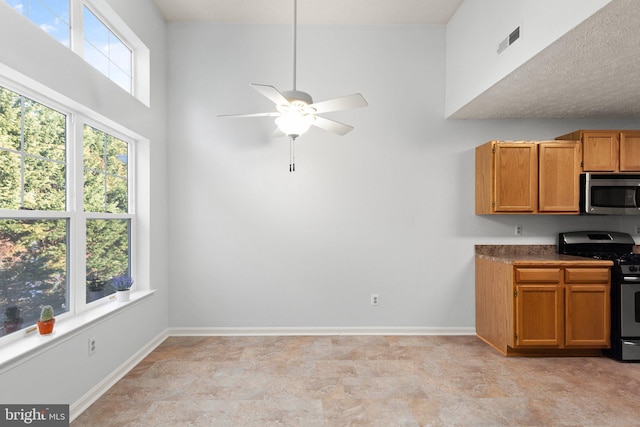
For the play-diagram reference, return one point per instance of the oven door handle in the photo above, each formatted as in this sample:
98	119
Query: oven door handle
630	343
631	278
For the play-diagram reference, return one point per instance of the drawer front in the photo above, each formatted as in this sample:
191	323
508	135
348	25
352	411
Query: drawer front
538	275
586	275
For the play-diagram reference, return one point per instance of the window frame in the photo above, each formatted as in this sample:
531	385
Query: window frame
78	12
129	215
74	214
140	83
37	214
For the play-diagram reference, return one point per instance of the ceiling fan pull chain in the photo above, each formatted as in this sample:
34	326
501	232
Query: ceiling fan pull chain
292	155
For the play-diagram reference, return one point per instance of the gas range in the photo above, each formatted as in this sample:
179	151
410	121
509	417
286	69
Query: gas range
610	245
625	284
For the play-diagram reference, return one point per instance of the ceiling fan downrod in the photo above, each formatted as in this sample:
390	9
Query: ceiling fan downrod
295	40
292	138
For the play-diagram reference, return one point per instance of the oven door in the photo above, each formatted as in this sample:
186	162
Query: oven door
609	194
630	310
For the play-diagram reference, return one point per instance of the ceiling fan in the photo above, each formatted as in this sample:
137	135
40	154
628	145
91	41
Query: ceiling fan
295	110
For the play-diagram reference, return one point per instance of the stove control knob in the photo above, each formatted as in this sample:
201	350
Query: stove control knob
633	268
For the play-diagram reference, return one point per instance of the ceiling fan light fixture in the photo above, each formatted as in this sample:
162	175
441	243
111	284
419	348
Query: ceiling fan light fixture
294	122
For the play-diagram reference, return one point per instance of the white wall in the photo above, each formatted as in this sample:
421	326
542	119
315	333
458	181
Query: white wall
29	54
478	27
386	209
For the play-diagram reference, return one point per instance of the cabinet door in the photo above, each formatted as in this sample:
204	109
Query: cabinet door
629	151
600	151
516	177
559	177
587	317
539	316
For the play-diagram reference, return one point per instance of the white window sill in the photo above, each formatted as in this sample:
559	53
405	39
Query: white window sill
32	344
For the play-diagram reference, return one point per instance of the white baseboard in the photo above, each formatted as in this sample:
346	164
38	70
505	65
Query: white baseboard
320	331
94	394
77	408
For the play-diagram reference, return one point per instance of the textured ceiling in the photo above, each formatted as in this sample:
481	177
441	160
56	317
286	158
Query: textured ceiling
593	71
357	12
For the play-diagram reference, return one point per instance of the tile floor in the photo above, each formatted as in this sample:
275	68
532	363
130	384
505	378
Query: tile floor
364	381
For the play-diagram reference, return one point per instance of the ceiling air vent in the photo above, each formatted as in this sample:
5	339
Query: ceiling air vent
515	35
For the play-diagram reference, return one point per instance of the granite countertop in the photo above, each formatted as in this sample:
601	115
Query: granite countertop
534	254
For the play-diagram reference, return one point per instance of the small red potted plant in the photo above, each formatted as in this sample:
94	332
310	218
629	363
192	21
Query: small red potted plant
46	322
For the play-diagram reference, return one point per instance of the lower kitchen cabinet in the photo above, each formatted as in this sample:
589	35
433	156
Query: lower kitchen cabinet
587	304
560	307
539	316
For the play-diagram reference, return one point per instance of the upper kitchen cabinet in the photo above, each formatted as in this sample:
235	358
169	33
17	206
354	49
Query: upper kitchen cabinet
527	177
559	177
608	150
506	177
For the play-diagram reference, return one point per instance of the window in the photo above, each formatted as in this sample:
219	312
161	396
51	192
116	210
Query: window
106	161
107	255
33	270
43	202
32	154
77	24
106	194
106	52
33	244
50	15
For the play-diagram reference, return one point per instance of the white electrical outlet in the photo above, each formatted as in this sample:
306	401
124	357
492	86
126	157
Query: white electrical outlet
518	231
92	346
375	299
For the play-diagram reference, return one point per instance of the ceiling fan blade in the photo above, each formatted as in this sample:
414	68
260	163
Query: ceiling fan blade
332	126
241	116
271	92
343	103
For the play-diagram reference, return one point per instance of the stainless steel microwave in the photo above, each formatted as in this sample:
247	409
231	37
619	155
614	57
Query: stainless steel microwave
610	194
